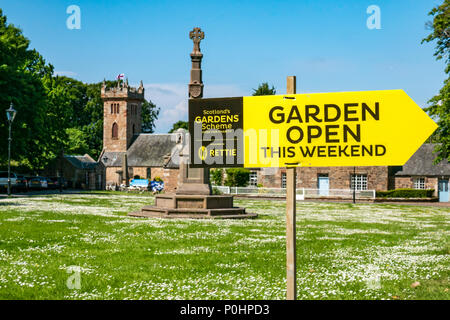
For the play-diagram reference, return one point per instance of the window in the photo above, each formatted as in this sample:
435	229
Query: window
283	179
114	108
134	129
253	179
133	109
115	131
359	182
419	183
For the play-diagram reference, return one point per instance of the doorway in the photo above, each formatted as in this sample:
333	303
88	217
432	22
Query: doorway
323	184
443	191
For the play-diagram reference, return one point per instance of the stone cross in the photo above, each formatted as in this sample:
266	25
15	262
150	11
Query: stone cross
197	35
194	181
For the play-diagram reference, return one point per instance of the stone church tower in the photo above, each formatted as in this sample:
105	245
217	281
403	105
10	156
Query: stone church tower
122	107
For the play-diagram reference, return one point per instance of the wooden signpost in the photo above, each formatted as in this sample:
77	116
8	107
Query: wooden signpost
365	128
291	212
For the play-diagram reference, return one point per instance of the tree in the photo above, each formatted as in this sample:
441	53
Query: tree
217	176
66	99
264	90
77	142
237	177
22	71
150	114
179	124
440	104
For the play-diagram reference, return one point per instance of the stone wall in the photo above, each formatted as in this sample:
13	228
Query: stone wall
402	182
119	143
141	172
169	176
339	177
111	176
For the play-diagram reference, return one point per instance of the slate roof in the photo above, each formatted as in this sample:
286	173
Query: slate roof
112	159
152	150
81	162
147	150
421	163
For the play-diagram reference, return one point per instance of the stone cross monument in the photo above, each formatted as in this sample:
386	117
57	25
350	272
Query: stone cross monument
194	180
193	198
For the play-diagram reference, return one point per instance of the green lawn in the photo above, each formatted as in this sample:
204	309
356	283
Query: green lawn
345	251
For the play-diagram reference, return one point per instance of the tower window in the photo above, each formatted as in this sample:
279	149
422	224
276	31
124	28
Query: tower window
115	131
115	108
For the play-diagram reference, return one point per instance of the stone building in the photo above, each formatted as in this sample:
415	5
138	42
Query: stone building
127	152
78	170
376	178
419	172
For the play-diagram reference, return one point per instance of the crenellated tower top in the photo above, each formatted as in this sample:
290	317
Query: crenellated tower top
123	90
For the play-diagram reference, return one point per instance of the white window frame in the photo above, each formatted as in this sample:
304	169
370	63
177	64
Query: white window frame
419	183
283	180
361	182
253	179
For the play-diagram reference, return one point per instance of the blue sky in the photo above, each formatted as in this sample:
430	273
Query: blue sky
326	44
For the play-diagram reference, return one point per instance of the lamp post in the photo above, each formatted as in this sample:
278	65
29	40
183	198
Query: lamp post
10	115
354	184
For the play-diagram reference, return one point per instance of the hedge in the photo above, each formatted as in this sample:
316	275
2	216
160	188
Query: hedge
406	193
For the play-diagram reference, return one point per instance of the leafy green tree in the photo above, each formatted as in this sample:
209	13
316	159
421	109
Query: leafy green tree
440	104
264	90
237	177
216	176
150	114
77	142
21	73
179	124
66	98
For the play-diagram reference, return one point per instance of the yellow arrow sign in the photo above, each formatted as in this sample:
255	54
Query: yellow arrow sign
367	128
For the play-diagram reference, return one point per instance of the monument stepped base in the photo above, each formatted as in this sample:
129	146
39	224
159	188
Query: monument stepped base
193	207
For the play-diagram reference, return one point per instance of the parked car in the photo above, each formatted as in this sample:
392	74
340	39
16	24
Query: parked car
57	181
28	181
51	184
21	183
38	183
4	180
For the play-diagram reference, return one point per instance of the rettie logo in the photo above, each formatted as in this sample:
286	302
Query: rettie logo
202	153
